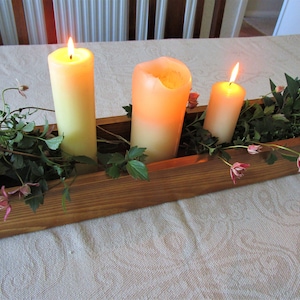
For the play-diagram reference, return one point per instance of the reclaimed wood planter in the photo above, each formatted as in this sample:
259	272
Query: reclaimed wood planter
95	195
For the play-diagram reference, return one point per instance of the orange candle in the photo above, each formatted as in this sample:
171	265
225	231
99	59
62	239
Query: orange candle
160	91
72	81
226	101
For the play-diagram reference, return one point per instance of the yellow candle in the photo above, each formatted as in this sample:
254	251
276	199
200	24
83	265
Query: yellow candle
160	91
72	81
226	101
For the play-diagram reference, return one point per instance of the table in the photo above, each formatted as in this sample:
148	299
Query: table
234	244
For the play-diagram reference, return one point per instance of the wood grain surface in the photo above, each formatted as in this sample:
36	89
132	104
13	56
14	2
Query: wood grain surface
95	195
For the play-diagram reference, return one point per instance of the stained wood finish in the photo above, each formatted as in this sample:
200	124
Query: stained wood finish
198	18
132	19
175	18
20	21
95	195
173	27
217	18
50	21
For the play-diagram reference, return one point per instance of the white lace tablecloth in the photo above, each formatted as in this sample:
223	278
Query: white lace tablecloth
242	243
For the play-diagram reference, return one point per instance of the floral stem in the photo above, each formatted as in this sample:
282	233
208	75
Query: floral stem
235	147
26	107
225	161
115	135
270	145
18	152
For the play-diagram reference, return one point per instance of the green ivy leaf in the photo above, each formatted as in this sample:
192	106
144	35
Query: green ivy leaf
29	127
225	155
135	152
270	160
269	110
113	171
292	86
65	196
46	128
84	160
280	117
54	143
104	158
36	169
268	101
137	170
27	143
117	159
128	109
256	136
35	198
290	157
20	125
18	137
18	161
296	105
258	113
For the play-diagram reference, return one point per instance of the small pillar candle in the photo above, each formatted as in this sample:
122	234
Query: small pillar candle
160	91
72	82
225	103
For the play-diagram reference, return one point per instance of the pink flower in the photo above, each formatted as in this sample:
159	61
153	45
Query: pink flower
192	102
4	202
24	190
298	163
237	171
279	89
22	88
254	149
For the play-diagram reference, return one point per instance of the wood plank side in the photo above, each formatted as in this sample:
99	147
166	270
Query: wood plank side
20	20
94	195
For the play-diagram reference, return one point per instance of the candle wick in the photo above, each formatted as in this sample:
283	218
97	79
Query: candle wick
230	83
71	56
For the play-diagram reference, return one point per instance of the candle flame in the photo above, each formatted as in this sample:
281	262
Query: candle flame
234	73
70	47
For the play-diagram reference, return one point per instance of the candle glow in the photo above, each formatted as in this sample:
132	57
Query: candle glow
234	73
72	81
70	47
226	100
160	90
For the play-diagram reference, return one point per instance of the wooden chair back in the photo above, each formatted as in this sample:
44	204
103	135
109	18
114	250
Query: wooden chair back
174	11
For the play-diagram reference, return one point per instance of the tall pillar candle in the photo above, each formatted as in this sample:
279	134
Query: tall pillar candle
160	91
224	107
72	81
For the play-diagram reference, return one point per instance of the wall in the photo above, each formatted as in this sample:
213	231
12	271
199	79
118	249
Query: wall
263	8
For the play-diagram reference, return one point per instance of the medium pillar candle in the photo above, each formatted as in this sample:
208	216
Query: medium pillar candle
225	103
72	81
160	91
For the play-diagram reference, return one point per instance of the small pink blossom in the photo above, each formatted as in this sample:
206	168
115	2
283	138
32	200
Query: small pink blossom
192	102
298	163
237	171
24	190
4	202
22	88
279	89
254	149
